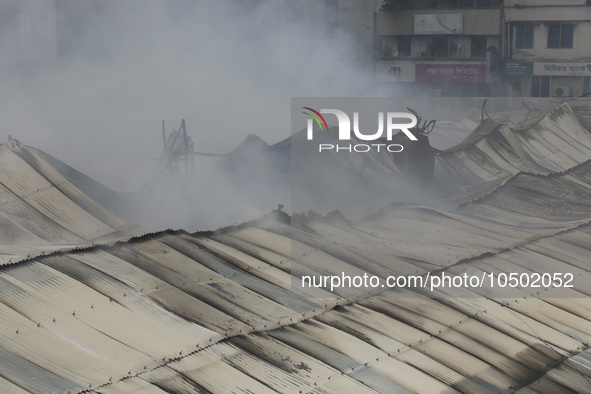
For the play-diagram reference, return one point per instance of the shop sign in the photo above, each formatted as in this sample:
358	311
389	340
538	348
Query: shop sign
450	72
517	69
561	69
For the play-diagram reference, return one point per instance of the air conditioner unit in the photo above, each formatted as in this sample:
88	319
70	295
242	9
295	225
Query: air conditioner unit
561	91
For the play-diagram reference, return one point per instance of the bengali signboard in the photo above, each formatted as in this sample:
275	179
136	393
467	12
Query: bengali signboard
439	24
518	69
562	69
450	72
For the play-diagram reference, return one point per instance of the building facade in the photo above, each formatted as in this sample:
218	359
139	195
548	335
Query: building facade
547	48
537	48
439	47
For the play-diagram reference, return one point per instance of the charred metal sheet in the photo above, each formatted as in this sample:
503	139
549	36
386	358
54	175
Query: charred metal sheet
215	311
128	294
550	143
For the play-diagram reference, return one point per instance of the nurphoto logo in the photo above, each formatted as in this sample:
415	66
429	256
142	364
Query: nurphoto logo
344	130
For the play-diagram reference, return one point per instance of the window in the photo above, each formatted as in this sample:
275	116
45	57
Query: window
560	36
394	46
451	46
540	86
478	46
387	50
524	36
586	83
404	46
458	46
438	46
455	46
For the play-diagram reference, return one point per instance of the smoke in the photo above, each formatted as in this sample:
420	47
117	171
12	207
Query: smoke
229	68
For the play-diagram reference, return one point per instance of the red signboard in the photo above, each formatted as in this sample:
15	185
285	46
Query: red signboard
450	72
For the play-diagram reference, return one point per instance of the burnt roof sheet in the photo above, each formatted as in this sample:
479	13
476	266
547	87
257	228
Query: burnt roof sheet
216	311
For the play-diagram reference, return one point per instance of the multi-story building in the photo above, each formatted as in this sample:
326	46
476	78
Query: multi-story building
357	20
27	36
547	47
438	47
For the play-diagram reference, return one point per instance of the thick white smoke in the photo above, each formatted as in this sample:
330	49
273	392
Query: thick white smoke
229	68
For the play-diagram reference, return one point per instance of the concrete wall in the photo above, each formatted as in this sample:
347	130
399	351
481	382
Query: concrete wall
476	21
581	49
537	3
548	11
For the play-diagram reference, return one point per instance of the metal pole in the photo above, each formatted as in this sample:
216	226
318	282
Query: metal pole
164	135
186	148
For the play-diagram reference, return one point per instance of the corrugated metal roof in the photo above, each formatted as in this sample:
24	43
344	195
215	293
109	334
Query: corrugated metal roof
225	319
546	143
543	143
218	311
40	208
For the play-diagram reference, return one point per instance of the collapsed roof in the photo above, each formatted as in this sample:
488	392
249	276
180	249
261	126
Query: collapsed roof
216	312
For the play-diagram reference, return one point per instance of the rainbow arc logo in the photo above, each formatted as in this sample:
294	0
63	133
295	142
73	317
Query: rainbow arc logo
315	116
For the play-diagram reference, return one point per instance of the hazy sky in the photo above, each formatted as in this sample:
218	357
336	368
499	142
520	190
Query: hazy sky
228	69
